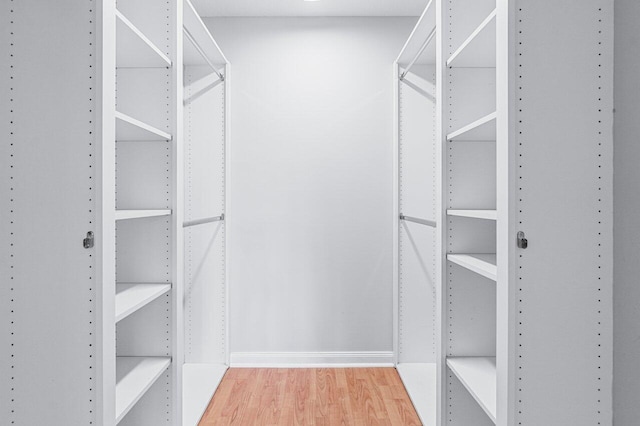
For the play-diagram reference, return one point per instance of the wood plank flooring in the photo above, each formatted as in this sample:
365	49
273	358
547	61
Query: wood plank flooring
311	396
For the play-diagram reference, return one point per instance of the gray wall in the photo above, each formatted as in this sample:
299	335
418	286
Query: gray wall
311	182
626	388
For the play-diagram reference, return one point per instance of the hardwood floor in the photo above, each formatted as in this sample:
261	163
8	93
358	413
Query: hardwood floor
314	396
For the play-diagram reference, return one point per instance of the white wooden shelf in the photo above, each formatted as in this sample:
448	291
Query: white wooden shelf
483	129
479	49
478	375
199	383
134	376
475	214
420	380
130	129
130	297
483	264
134	49
140	214
199	46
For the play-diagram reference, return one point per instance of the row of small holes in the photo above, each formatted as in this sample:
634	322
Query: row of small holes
169	297
92	303
520	199
400	232
189	235
12	213
223	327
449	297
600	227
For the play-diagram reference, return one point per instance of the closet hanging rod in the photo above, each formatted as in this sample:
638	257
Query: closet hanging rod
427	222
420	52
203	221
195	44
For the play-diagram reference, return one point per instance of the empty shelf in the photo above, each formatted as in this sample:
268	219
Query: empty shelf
199	383
476	214
199	46
479	49
483	264
134	376
483	129
478	375
130	129
139	214
420	381
134	49
131	297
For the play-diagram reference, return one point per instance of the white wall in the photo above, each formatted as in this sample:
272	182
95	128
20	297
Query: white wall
626	207
311	182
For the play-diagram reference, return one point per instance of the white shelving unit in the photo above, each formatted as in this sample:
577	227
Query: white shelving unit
468	369
148	213
503	126
206	108
509	88
116	320
415	216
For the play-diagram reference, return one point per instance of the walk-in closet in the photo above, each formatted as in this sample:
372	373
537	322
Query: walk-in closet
303	212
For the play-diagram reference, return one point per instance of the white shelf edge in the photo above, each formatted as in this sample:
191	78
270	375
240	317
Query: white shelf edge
478	376
144	38
193	24
141	374
130	297
140	214
475	214
143	126
428	10
199	383
469	127
470	39
482	264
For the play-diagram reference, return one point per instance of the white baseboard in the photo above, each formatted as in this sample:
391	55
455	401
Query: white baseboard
311	359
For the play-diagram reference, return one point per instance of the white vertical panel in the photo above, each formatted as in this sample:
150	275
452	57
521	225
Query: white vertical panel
417	198
48	193
506	217
564	204
627	203
205	295
105	210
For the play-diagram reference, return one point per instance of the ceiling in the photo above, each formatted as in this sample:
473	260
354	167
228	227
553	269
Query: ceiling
310	8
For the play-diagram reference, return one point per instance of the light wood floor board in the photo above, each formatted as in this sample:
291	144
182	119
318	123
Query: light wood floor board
311	396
